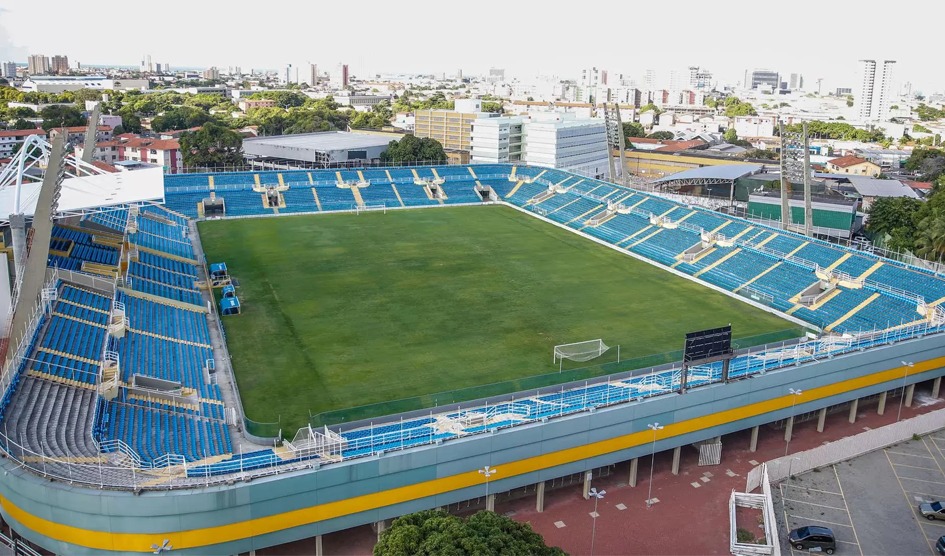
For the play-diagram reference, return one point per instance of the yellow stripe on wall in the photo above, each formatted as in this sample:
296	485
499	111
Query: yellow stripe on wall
140	542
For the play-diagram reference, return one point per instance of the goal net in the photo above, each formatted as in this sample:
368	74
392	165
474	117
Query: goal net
580	351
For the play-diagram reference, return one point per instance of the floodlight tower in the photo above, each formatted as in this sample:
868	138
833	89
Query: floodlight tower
795	168
615	142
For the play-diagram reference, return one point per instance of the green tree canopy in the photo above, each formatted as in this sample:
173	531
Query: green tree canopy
58	115
633	129
23	124
181	117
213	145
410	150
662	135
928	113
928	163
436	533
730	135
838	130
735	107
650	107
284	99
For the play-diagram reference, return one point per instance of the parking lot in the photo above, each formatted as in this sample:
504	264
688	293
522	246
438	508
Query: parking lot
870	502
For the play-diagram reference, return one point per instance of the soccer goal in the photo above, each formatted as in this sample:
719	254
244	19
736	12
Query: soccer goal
370	208
579	351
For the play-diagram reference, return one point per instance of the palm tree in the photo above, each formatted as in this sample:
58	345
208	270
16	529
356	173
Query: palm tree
930	237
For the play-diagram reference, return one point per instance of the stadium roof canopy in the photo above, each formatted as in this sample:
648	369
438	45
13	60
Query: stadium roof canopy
87	193
710	175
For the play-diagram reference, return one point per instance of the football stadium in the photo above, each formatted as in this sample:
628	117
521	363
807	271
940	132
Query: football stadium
218	363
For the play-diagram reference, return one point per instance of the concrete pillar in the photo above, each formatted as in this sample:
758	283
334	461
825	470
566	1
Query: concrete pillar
490	503
540	497
821	419
319	551
587	485
252	553
381	527
634	464
789	429
936	386
677	451
910	390
854	406
754	439
882	404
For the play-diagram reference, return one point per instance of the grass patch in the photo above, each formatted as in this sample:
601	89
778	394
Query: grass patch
345	310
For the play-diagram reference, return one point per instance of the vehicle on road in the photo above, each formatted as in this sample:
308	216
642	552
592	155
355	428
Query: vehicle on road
813	536
940	545
932	510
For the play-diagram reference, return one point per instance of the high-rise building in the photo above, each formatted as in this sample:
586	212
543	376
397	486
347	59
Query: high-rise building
312	74
8	70
872	100
59	65
797	82
211	74
452	128
339	79
496	74
459	74
38	64
765	78
700	79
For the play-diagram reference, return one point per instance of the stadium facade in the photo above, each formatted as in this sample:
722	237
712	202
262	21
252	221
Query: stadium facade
118	438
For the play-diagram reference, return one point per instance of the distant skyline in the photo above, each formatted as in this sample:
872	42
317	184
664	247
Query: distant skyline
822	40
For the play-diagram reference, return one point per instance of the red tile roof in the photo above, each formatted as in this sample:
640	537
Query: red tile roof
22	132
104	166
134	142
674	146
924	185
847	161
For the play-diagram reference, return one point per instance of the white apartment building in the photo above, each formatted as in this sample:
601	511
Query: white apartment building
495	140
8	70
550	139
755	126
11	138
872	100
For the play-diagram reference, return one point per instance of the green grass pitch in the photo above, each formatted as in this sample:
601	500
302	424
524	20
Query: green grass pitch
346	310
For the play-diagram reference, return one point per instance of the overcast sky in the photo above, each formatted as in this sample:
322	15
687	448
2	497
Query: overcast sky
815	38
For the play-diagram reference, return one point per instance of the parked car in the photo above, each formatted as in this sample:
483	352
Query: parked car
932	510
940	545
813	536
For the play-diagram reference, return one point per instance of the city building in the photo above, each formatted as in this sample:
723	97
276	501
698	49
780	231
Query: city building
61	83
247	104
11	138
339	79
211	74
797	82
129	148
700	79
8	70
37	64
59	65
452	128
312	74
329	149
495	140
853	165
548	139
842	91
763	78
755	126
75	135
496	74
872	100
360	102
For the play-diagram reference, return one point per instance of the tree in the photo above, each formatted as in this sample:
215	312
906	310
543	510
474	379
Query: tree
181	117
633	129
735	107
761	154
213	145
493	106
928	163
650	107
61	116
20	123
432	532
919	128
662	135
886	214
730	135
410	150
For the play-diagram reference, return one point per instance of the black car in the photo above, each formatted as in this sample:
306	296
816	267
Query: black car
813	536
940	545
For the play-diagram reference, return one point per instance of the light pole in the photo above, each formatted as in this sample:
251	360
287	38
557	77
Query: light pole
795	394
654	427
905	372
597	496
487	472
